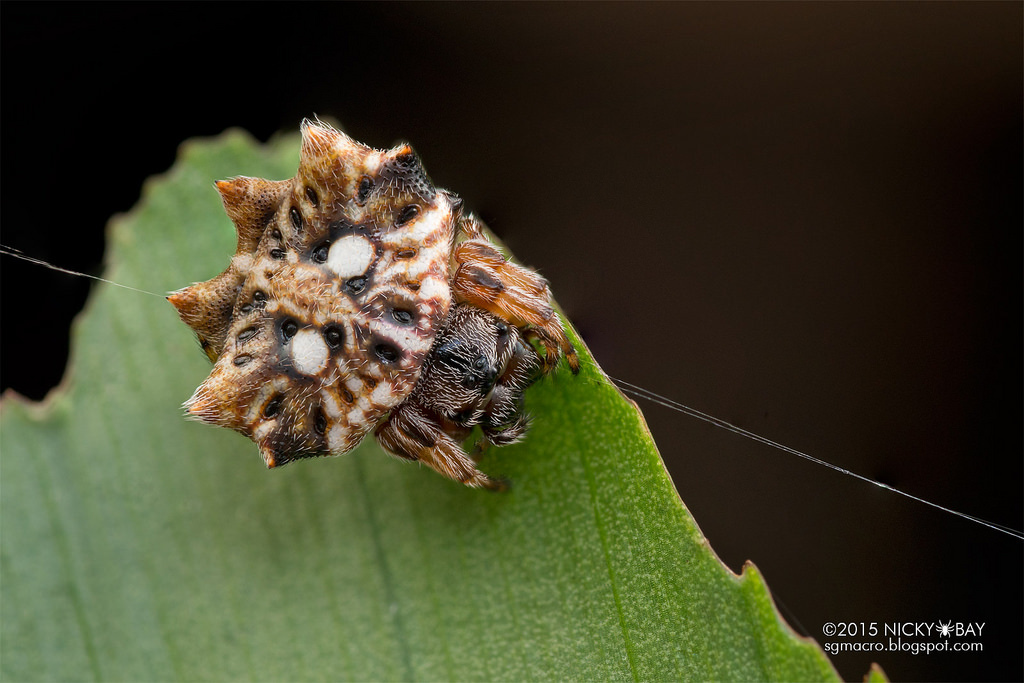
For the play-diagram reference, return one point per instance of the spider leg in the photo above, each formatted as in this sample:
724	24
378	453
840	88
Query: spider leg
551	349
411	433
515	294
509	433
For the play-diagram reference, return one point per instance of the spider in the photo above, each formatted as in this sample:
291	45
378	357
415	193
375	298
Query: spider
360	298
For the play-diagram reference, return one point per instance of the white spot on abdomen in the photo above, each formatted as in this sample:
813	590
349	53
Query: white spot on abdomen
263	430
403	338
434	288
422	228
309	352
350	256
356	416
416	268
384	395
330	404
337	439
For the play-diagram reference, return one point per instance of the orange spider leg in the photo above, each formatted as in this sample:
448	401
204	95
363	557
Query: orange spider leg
484	278
410	433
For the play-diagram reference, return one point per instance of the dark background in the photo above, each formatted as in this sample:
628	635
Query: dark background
801	218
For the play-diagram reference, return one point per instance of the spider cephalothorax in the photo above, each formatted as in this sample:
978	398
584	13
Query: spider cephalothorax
328	314
475	375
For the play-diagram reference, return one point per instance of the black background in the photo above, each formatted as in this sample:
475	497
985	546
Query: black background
801	218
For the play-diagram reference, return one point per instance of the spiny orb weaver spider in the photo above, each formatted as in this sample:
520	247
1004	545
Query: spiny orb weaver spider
359	298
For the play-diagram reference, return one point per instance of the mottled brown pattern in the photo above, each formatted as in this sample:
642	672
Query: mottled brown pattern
322	324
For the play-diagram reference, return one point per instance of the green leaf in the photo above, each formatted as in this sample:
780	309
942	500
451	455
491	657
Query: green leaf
139	546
